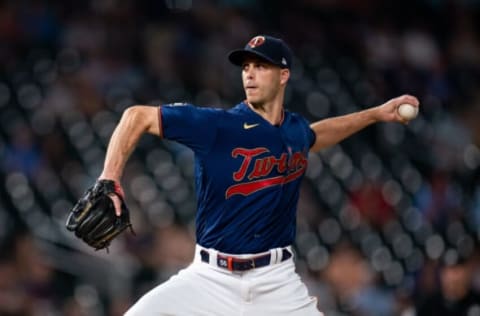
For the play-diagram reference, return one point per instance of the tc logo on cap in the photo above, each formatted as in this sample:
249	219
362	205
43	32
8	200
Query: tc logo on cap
256	41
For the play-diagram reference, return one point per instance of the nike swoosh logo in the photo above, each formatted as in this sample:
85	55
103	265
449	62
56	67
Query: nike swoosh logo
249	126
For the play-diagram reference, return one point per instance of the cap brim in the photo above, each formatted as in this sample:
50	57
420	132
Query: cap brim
237	57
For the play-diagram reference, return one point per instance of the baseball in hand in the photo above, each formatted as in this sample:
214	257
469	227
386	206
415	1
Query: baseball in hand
407	111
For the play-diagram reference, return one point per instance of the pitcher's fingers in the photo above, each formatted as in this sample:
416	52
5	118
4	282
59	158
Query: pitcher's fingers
410	99
117	204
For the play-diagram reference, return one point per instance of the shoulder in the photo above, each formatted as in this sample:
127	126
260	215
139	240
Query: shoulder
189	108
296	118
186	106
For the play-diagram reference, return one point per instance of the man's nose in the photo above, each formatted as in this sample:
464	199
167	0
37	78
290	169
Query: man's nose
249	73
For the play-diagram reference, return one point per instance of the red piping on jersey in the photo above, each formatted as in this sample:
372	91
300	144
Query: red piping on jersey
281	119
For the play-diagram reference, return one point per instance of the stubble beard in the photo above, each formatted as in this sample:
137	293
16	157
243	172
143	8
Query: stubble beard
260	100
257	105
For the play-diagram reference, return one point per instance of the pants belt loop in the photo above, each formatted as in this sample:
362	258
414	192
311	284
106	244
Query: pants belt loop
279	252
273	256
213	255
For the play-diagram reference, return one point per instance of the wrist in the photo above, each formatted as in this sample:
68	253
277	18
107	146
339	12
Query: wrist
373	114
114	185
109	176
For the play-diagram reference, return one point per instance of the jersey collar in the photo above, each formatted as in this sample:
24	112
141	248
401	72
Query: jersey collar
249	108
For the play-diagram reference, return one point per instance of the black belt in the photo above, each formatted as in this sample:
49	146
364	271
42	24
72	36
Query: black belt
242	264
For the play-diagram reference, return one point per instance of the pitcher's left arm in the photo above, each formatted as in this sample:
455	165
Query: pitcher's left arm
331	131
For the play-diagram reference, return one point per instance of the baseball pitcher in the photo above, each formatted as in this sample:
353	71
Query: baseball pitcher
249	163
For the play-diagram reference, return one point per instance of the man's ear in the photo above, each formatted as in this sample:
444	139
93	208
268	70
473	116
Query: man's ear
284	75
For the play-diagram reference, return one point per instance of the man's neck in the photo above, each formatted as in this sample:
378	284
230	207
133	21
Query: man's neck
271	111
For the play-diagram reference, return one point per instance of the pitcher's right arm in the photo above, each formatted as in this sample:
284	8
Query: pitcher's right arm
135	121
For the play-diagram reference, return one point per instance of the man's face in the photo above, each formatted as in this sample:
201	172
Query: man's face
262	81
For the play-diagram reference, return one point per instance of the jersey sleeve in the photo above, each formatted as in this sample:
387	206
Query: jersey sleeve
189	125
309	133
312	136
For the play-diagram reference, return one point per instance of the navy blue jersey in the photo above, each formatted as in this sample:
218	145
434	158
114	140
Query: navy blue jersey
247	174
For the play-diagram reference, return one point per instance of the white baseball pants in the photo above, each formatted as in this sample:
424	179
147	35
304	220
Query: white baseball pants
204	289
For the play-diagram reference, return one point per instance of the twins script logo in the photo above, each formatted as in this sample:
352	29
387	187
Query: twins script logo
290	168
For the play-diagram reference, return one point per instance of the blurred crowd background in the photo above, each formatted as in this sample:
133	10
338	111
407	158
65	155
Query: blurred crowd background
388	221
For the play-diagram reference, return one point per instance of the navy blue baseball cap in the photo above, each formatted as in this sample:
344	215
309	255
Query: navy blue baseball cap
272	49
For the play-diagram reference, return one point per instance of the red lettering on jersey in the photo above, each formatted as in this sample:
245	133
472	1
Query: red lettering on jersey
262	167
248	188
294	167
297	160
282	163
248	154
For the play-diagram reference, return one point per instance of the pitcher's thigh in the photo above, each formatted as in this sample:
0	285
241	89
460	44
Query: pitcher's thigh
280	291
190	292
291	300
